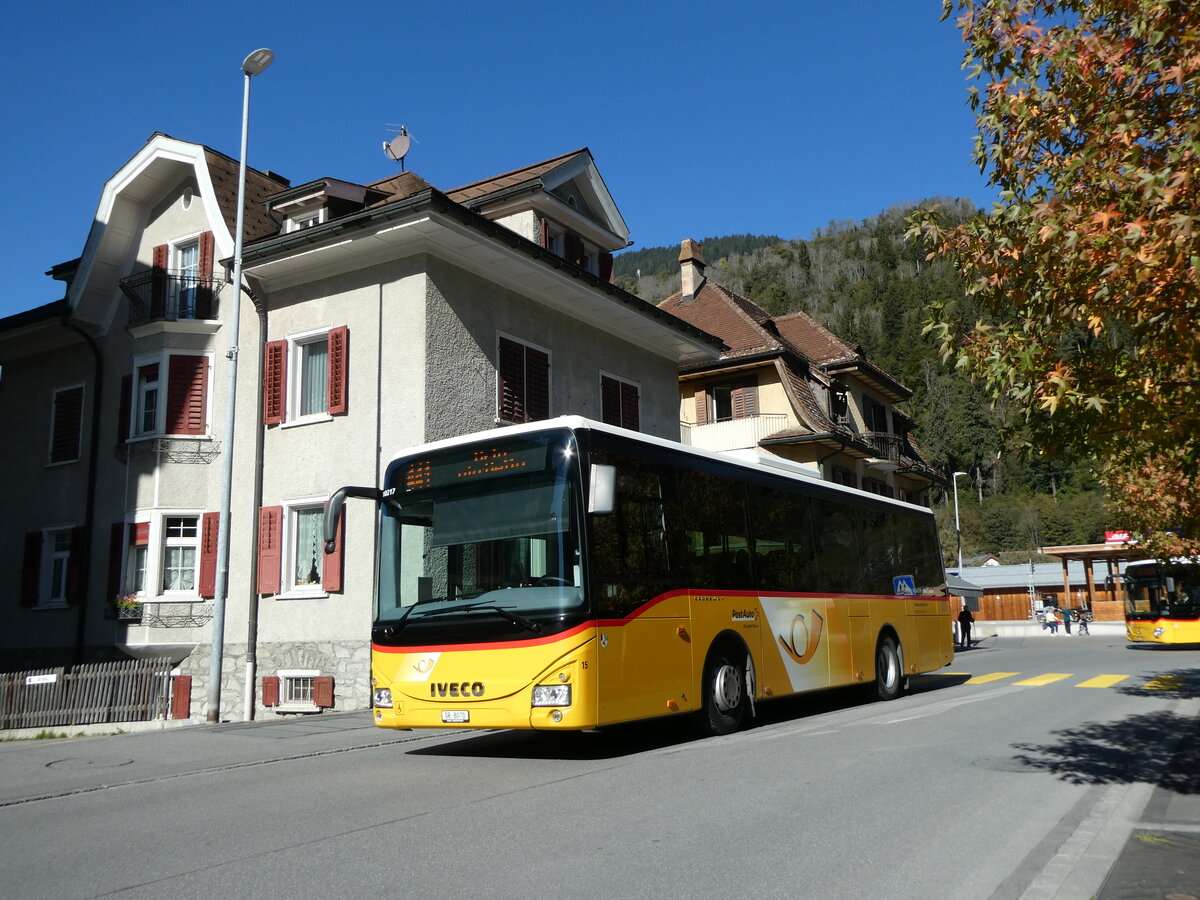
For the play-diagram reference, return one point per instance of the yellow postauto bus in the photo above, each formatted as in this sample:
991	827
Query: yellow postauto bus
567	575
1162	602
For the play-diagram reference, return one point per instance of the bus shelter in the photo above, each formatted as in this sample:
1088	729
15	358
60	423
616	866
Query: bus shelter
1111	555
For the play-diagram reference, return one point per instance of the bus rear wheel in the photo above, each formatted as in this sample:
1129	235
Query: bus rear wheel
889	669
725	690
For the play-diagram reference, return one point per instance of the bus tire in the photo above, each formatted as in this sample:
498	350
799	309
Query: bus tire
724	689
889	669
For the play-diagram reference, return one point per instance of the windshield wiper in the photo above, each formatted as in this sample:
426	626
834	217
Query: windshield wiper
523	622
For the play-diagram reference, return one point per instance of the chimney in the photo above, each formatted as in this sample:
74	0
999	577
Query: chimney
691	267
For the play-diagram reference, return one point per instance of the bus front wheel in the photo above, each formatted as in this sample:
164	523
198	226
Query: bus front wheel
725	689
889	669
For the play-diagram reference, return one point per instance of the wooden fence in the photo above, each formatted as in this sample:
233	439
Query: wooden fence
132	690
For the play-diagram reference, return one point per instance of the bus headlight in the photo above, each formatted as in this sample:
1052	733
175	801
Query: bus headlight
552	695
383	697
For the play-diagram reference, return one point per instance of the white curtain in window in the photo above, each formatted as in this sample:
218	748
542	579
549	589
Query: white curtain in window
309	555
314	378
179	570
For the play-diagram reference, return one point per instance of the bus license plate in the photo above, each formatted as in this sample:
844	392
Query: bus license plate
455	716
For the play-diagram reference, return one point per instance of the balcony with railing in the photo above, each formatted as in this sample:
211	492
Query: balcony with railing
158	296
732	434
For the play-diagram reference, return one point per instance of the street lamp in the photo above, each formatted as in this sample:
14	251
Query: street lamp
254	64
957	529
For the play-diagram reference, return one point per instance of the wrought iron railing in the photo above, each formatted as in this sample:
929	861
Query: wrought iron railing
157	296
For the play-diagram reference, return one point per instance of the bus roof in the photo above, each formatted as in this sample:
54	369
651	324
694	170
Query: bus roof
745	459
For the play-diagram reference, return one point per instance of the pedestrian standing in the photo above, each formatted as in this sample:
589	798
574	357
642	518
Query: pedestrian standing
1083	626
1052	619
1067	621
965	620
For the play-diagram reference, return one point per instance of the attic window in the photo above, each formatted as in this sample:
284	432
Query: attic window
305	218
571	202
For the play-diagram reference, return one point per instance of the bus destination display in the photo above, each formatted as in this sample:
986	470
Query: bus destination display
439	471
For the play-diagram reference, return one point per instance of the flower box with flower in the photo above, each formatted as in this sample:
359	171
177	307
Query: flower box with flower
125	606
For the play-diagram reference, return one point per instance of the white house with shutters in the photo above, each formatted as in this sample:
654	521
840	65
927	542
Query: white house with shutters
374	317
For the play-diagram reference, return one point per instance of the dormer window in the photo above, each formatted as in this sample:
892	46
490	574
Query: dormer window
305	218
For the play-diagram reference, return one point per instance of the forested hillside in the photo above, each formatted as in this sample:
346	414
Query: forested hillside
869	285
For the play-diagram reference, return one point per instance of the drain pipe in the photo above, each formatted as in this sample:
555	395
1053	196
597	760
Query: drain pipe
89	513
260	307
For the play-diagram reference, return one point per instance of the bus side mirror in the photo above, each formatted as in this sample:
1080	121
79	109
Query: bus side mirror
333	510
602	491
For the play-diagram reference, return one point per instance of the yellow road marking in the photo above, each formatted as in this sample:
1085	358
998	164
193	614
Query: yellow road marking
994	676
1102	681
1164	683
1048	678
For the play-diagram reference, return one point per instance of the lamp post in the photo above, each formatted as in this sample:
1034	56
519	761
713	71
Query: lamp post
254	64
957	529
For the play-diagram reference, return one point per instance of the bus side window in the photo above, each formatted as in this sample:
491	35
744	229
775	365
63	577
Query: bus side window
781	525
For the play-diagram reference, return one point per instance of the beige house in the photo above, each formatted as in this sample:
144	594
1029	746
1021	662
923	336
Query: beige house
790	388
376	317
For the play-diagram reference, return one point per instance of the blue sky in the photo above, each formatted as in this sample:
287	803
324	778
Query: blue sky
704	118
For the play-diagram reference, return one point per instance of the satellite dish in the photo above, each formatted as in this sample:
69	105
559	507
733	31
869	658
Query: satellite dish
397	147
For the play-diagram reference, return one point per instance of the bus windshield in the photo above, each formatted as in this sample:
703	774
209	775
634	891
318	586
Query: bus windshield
481	543
1170	592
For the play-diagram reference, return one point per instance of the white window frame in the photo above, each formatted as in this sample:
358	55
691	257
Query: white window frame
137	401
306	217
556	240
286	679
177	250
52	553
289	589
296	344
133	566
167	541
54	425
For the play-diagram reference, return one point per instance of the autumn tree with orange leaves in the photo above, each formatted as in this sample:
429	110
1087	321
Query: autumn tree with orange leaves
1089	128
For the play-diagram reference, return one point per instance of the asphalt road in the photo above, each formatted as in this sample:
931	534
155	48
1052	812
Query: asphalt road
1018	772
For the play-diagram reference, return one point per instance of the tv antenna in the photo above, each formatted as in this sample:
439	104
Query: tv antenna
397	148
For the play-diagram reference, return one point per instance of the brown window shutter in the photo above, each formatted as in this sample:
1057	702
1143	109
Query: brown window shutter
332	568
187	395
125	409
750	399
546	233
76	583
116	554
701	407
270	551
31	569
339	349
274	382
630	416
204	289
606	266
158	282
511	381
323	691
68	419
537	385
270	690
210	525
181	697
574	249
610	400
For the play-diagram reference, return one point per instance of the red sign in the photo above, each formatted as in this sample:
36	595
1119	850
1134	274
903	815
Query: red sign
1116	537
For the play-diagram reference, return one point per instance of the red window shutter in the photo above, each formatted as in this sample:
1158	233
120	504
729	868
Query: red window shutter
158	282
606	266
630	416
701	407
181	697
270	551
187	395
546	233
333	567
274	380
204	289
68	419
116	553
537	385
76	583
31	569
610	400
323	691
209	529
339	349
270	690
512	381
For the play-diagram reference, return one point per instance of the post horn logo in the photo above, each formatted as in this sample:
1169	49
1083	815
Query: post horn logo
801	644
